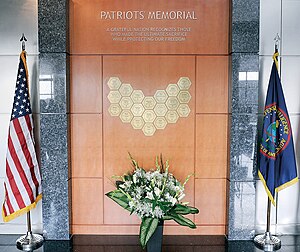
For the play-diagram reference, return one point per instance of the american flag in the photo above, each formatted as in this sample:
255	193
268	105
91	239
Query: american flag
22	183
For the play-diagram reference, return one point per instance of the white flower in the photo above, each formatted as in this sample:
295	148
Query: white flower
150	195
173	201
139	173
157	191
157	213
147	190
181	196
170	199
171	186
159	183
148	176
143	209
134	178
127	184
131	204
139	190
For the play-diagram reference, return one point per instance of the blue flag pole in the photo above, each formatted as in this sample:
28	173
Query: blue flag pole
266	241
277	39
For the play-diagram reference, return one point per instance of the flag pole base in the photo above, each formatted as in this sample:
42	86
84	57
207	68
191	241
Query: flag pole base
267	242
29	242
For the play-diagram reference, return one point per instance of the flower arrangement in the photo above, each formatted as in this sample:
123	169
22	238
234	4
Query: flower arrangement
154	196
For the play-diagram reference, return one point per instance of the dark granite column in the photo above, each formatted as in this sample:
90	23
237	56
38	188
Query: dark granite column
245	71
54	86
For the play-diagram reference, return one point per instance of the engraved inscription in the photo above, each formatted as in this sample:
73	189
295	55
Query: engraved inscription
161	96
184	97
126	103
172	116
126	116
172	103
160	109
172	89
126	89
114	96
184	83
149	129
183	110
114	83
137	96
137	122
149	116
137	109
160	123
114	109
149	102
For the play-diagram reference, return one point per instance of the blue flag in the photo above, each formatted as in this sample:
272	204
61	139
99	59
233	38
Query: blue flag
277	166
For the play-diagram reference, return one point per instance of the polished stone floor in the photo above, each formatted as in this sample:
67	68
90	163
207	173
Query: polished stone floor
89	243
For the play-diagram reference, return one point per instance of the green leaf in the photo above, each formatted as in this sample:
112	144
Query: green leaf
181	209
127	177
165	206
118	183
168	217
193	210
153	205
147	229
119	198
183	221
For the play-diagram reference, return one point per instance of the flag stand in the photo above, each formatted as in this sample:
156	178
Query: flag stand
29	241
267	241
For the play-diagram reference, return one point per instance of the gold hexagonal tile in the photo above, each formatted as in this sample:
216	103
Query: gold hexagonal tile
149	129
149	116
149	102
137	109
114	96
149	113
160	123
184	96
172	116
172	89
126	103
172	103
161	96
137	96
114	83
126	89
126	116
184	83
114	109
183	110
160	109
137	122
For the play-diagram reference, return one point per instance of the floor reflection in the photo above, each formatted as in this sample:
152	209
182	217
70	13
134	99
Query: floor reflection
90	243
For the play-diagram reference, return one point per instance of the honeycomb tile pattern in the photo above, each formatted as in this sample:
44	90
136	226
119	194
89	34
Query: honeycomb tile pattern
149	113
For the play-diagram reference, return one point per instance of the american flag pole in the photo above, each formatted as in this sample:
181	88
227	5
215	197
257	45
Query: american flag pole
30	241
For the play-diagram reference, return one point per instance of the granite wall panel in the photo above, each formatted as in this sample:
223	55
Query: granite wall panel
54	106
243	120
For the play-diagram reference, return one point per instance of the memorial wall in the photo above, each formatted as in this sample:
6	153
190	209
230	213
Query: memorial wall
148	77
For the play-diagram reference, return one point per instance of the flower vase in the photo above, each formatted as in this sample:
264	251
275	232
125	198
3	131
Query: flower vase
155	242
